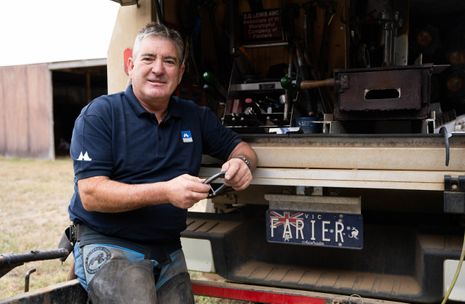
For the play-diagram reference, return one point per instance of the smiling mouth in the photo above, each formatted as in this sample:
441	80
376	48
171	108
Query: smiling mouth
157	81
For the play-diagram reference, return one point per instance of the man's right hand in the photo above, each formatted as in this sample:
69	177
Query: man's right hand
186	190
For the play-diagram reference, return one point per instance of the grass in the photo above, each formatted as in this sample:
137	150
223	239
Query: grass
33	201
34	196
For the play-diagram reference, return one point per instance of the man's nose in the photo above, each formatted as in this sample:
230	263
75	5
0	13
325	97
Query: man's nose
158	67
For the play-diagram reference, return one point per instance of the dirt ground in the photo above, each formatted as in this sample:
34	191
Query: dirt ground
34	196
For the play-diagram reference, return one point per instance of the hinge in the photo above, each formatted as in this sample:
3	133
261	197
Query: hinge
454	194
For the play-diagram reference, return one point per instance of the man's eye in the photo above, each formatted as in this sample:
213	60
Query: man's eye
170	61
146	59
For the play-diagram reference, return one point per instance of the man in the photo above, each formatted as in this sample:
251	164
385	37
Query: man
136	157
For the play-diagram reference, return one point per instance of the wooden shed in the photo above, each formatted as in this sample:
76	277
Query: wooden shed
39	103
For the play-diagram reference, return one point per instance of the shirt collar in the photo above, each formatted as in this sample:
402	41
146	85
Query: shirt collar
174	108
134	102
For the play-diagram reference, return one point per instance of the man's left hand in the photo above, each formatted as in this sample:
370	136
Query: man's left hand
238	175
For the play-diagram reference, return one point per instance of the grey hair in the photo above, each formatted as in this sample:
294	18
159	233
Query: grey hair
159	30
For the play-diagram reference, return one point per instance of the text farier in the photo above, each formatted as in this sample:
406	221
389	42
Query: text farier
315	229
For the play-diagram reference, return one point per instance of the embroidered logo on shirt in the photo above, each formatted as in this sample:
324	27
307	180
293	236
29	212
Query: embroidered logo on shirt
186	136
84	157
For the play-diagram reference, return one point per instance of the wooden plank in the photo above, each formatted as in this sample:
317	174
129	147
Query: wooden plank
16	112
360	157
347	175
376	179
39	85
26	115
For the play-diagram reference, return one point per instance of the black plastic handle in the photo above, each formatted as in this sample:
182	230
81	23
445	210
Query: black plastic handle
211	179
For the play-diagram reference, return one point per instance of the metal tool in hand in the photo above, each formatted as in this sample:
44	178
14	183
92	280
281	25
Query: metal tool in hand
222	188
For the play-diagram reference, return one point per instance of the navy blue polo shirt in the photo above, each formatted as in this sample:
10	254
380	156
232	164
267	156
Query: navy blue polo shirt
115	136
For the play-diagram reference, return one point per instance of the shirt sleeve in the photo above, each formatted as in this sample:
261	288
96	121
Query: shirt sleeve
218	141
91	145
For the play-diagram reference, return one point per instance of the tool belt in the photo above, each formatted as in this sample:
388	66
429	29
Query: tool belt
85	236
68	240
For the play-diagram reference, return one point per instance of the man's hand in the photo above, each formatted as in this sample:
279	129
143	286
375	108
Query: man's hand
242	162
238	175
186	190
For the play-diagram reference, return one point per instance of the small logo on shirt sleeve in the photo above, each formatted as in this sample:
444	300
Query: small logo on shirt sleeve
84	157
186	136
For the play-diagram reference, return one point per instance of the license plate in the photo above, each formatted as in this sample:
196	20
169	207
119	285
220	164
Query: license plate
315	228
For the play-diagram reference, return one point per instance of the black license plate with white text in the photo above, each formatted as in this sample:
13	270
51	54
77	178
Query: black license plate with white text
321	229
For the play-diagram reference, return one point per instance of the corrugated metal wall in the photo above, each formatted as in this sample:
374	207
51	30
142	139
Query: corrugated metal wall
26	119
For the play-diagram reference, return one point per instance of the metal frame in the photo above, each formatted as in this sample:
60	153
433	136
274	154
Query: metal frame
273	295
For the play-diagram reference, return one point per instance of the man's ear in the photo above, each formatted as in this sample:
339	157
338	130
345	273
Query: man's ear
127	53
130	65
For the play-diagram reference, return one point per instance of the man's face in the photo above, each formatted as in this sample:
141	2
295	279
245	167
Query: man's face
156	71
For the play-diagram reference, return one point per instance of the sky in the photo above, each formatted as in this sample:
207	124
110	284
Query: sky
39	31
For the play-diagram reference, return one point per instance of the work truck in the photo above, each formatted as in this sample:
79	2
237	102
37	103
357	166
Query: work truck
356	110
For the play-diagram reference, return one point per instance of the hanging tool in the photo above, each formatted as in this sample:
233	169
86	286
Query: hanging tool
447	135
288	83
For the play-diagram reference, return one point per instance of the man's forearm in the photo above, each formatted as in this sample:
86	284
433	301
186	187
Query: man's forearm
102	194
105	195
244	149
